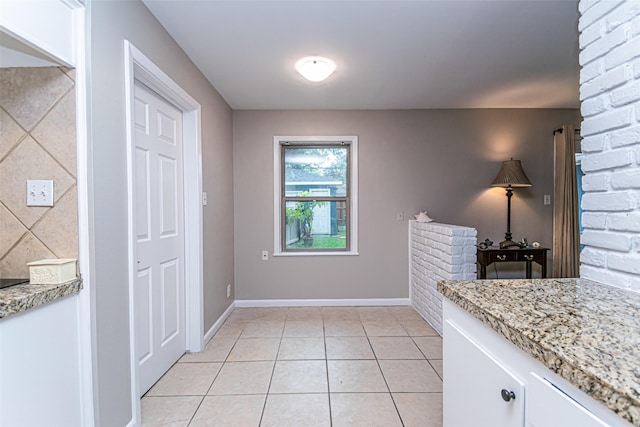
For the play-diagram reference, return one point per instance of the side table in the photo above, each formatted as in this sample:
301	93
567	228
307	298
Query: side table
528	255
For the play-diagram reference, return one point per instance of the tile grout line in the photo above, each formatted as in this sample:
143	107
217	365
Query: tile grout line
326	364
273	369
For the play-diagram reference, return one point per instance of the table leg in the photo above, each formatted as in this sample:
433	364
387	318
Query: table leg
528	269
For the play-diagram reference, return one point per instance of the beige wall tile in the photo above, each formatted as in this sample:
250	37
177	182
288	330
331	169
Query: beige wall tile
57	132
71	72
40	100
10	133
58	229
11	230
14	264
29	161
28	93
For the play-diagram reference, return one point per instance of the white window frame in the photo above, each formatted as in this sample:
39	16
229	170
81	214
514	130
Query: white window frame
277	188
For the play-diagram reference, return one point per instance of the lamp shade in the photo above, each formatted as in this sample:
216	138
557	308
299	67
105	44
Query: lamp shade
511	175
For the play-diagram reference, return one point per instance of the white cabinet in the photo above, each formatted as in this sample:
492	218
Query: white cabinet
548	405
39	367
478	389
479	363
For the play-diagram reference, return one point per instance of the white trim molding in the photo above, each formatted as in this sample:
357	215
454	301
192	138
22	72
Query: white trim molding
212	330
352	140
139	67
364	302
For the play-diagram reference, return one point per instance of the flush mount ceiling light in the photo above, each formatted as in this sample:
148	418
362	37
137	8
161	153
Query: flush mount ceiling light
315	68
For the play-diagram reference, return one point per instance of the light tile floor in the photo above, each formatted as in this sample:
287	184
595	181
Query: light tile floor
307	366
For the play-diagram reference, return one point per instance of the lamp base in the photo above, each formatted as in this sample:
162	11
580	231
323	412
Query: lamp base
507	244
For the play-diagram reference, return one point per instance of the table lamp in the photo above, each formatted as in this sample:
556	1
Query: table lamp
510	176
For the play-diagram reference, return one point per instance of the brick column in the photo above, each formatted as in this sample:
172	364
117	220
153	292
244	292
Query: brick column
610	95
438	252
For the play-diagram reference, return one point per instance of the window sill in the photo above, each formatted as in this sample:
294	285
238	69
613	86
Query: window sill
294	254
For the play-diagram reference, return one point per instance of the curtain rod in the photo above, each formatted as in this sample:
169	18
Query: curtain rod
559	130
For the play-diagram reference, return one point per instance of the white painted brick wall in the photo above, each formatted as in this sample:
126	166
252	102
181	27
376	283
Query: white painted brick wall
438	252
610	99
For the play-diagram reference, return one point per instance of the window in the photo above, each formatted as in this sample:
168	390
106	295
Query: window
315	203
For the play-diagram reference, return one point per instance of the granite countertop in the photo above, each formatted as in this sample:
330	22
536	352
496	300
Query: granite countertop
584	331
19	298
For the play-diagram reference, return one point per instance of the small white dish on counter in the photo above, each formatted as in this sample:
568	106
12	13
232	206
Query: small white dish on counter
52	271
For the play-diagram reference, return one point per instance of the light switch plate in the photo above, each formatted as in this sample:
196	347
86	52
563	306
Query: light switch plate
39	192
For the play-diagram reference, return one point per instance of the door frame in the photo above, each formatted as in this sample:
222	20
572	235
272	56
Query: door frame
140	67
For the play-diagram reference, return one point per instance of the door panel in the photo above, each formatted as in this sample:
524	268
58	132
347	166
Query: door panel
473	385
143	314
170	312
142	194
168	197
159	222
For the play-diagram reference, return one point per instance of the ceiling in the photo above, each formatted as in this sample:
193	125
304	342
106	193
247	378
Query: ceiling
394	54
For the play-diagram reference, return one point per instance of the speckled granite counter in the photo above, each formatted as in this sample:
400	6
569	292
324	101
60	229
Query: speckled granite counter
19	298
586	332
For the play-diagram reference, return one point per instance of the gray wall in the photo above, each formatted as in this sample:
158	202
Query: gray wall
110	23
441	161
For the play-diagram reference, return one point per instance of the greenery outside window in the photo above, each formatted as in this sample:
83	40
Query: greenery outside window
316	195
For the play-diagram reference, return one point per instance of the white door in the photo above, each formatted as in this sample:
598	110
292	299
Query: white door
159	233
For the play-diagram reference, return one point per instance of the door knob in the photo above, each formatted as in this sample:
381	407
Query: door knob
507	395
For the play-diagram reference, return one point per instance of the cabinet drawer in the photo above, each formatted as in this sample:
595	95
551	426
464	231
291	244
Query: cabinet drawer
547	405
477	386
507	256
529	256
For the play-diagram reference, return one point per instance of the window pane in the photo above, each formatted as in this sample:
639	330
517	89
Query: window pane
319	171
316	225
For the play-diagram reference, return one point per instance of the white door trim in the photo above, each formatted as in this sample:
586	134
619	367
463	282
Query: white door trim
139	67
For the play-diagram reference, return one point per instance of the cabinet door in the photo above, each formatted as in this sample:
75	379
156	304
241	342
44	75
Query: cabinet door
548	406
473	385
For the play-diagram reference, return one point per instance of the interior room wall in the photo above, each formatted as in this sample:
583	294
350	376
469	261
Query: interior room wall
110	23
37	141
441	161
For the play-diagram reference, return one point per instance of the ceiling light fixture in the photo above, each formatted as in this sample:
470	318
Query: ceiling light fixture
315	68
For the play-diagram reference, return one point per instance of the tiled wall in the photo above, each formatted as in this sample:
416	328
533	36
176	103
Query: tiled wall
37	141
610	95
438	252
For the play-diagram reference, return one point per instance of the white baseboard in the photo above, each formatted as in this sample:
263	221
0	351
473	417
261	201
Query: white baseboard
321	302
211	332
